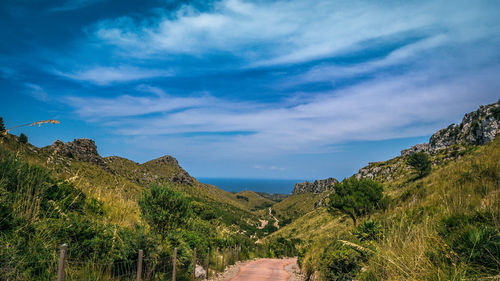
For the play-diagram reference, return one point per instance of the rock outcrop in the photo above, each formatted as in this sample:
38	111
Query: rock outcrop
478	127
167	168
79	149
318	186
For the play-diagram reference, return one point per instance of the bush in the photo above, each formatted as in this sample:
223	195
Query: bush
23	138
241	197
474	238
163	208
420	162
495	111
355	197
341	262
2	126
368	230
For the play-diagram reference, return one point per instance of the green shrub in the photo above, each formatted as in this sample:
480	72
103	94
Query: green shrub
368	230
420	162
2	126
474	238
495	111
23	138
341	262
164	208
355	197
241	197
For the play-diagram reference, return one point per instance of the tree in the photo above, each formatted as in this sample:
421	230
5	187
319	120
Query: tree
23	138
2	125
420	162
355	197
163	208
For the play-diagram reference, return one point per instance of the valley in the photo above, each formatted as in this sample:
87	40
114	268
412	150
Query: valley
439	226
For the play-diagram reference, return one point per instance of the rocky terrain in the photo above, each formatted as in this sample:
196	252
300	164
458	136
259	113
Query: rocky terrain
478	127
318	186
163	169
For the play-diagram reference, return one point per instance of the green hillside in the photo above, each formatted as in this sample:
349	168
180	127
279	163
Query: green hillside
442	227
116	182
252	200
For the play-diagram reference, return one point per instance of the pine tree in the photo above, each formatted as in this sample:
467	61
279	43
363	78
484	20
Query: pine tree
2	126
23	138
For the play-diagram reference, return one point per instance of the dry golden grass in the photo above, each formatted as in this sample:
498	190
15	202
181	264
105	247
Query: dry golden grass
410	225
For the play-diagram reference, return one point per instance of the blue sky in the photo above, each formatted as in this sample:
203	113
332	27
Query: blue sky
252	89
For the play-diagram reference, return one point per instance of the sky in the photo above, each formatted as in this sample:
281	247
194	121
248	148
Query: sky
289	89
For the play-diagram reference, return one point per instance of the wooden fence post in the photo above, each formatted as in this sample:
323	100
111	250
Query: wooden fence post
62	261
216	260
139	265
223	256
208	261
174	261
194	264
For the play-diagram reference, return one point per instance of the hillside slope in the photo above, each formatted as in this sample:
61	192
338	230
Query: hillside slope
426	231
444	226
117	182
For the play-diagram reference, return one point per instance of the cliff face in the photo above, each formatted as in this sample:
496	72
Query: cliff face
478	127
318	186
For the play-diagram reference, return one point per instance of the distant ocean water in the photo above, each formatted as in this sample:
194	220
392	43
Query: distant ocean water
257	185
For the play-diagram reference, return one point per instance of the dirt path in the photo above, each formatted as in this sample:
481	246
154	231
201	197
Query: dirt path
276	221
265	270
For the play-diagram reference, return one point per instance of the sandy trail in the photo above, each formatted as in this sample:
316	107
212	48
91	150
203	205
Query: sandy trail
264	270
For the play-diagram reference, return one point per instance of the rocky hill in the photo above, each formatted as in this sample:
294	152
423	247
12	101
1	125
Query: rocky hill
117	182
317	186
477	128
163	169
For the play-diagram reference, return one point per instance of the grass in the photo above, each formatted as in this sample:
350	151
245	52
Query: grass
442	227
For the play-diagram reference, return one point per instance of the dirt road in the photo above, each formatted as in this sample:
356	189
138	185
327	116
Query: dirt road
265	270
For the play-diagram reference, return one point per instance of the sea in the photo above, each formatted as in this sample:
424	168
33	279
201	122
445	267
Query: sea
282	186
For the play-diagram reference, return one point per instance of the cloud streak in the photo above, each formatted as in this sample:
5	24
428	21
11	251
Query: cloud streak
109	75
396	107
284	32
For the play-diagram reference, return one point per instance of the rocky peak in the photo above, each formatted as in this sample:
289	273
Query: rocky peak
478	127
167	167
318	186
79	149
166	159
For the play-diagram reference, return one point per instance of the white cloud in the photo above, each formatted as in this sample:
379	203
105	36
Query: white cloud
37	91
396	107
282	32
108	75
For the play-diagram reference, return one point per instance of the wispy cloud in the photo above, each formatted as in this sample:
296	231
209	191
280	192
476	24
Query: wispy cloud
397	107
37	92
109	75
284	32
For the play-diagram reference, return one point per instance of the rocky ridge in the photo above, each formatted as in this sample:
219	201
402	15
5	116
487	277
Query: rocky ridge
318	186
165	168
477	127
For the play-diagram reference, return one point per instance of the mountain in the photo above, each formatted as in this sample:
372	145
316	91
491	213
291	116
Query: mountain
443	226
118	182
